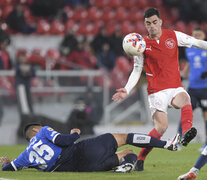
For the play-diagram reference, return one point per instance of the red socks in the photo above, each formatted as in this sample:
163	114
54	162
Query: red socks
144	151
186	118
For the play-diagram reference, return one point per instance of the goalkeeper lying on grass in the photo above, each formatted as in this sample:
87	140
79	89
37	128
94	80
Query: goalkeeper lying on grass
48	150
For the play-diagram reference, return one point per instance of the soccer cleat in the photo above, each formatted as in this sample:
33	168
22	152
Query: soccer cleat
139	165
188	136
173	145
187	176
124	168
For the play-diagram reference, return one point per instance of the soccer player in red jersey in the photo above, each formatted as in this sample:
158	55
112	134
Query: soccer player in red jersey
161	64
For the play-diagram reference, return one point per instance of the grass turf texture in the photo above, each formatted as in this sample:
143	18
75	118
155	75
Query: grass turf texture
160	165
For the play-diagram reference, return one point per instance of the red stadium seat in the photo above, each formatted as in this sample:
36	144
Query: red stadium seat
111	26
79	14
108	14
37	57
181	26
7	86
91	29
127	27
140	28
7	10
114	3
94	14
43	27
52	56
82	28
57	27
22	51
101	4
128	3
123	64
70	24
5	3
135	14
121	14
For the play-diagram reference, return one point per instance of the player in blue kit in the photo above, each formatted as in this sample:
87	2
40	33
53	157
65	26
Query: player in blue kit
48	150
196	69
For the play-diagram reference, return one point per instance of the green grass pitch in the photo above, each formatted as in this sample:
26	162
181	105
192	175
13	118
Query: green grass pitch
160	165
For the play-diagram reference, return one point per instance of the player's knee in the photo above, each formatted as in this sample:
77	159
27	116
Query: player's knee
186	99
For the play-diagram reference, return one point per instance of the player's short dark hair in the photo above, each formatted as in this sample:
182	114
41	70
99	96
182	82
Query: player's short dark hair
151	12
27	126
198	28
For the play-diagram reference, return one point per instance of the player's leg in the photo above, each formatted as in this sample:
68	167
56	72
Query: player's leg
205	121
161	124
127	159
145	141
182	101
194	102
203	105
201	161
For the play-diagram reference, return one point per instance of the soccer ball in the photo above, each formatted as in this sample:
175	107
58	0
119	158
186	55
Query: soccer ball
134	44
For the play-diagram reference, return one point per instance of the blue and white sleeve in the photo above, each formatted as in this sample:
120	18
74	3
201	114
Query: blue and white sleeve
50	133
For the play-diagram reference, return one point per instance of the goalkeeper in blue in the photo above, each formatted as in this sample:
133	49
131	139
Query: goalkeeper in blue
49	151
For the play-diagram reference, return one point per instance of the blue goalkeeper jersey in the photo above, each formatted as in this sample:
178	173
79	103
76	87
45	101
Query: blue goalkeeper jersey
197	59
41	153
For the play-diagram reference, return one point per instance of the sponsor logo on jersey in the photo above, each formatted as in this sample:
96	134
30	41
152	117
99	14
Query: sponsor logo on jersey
50	129
170	43
148	48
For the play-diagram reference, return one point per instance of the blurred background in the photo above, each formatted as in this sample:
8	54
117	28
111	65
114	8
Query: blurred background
62	60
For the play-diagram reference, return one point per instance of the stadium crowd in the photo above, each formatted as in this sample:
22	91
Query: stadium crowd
92	30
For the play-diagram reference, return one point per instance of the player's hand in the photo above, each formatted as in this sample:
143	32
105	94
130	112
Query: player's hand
4	160
75	130
204	75
119	95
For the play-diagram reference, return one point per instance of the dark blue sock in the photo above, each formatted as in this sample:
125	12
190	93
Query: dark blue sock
141	140
201	161
206	130
129	158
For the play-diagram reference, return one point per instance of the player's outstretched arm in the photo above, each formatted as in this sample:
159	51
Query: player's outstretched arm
67	139
119	95
6	164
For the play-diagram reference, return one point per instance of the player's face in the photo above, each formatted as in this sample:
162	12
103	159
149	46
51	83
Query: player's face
153	25
199	34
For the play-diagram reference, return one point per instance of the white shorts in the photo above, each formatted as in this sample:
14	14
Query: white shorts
162	100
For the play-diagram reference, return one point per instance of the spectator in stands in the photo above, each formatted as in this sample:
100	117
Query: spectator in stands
116	43
17	22
106	58
23	74
46	7
94	101
82	58
69	43
98	41
80	117
5	60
